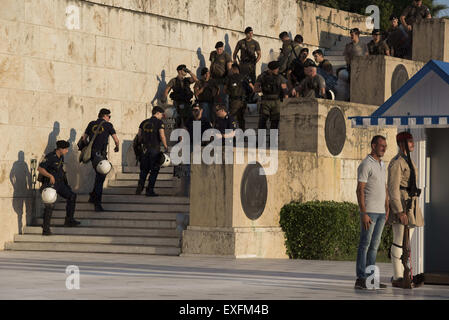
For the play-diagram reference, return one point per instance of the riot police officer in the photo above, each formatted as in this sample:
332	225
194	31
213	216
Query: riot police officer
224	123
273	86
104	128
52	172
151	134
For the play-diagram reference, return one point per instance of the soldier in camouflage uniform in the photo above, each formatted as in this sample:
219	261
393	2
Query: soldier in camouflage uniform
377	46
273	86
414	13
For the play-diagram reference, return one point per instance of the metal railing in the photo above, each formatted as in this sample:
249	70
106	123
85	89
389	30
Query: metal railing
339	26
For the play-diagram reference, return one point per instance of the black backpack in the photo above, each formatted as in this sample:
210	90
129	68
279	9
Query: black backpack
181	90
271	85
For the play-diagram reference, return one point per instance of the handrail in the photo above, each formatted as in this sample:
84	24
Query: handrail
339	26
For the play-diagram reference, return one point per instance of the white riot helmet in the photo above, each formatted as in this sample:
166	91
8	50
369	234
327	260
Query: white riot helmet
164	160
49	195
103	167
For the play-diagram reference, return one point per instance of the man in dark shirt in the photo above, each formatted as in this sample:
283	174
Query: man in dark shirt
206	91
51	168
248	48
197	115
151	134
224	122
297	67
99	150
395	38
325	69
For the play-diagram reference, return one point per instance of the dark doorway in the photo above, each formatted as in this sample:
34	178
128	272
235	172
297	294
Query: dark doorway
436	258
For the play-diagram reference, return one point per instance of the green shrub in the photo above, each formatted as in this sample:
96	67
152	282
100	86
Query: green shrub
324	230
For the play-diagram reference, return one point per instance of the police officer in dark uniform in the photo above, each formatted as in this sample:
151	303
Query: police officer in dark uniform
99	150
151	134
51	168
224	122
197	115
273	86
239	87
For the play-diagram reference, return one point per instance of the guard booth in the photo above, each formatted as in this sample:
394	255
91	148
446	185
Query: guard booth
421	106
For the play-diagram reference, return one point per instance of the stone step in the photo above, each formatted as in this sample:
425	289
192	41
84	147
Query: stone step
133	207
335	58
132	191
135	176
119	215
142	241
136	169
92	248
133	183
90	231
333	53
133	199
115	223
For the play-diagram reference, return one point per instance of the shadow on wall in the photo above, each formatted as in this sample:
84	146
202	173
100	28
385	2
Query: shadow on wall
162	83
227	45
202	64
20	178
52	138
128	157
80	176
327	40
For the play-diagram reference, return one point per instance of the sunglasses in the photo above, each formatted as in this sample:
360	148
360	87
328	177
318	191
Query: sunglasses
196	110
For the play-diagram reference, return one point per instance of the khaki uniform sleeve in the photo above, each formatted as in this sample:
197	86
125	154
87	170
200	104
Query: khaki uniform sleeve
394	183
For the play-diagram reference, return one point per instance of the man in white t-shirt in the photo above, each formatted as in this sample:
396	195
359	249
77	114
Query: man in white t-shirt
372	197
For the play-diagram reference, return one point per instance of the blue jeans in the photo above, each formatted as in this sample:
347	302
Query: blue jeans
369	243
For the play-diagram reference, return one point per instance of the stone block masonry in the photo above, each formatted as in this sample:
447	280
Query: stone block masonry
63	60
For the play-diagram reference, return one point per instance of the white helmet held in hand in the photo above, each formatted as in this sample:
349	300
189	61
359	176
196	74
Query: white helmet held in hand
49	195
103	167
164	160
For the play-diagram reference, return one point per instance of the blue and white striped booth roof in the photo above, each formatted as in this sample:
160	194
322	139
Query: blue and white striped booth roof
422	102
401	122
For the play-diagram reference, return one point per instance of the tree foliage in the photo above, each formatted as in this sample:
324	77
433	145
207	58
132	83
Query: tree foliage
387	7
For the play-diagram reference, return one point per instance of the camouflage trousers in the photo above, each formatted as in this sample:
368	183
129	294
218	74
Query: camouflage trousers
269	110
237	108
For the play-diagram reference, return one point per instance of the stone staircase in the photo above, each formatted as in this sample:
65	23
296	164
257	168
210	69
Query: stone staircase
132	224
335	54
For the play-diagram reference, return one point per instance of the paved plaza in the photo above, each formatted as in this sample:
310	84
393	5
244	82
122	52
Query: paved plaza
41	275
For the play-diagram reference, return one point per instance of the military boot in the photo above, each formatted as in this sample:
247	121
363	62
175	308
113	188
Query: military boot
71	222
139	189
92	197
46	224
